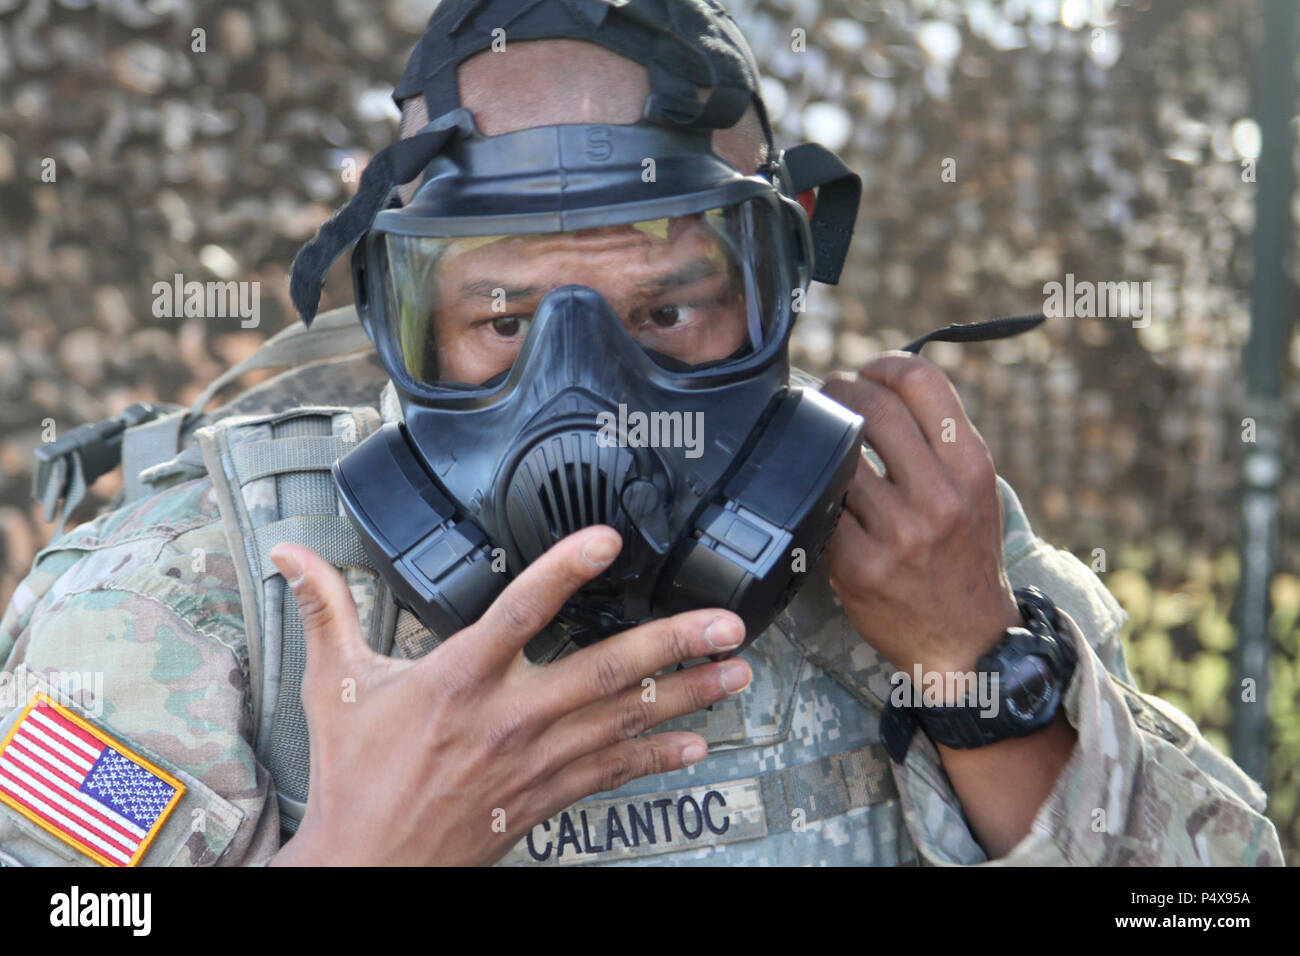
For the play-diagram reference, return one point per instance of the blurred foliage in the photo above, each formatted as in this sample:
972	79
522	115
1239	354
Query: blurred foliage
1101	138
1179	639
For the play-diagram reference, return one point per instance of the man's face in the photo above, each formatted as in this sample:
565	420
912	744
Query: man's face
665	291
670	281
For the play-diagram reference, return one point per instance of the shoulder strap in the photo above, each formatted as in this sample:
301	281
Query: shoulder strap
337	332
273	481
145	436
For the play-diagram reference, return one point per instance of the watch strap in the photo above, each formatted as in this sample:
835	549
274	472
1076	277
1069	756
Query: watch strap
957	727
961	726
897	727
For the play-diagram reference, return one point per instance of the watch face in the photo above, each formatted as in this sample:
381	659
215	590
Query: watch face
1029	687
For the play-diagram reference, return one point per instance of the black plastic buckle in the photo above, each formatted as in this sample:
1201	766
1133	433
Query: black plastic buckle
98	444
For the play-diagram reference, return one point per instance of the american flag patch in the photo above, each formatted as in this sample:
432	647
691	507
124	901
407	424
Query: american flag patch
83	786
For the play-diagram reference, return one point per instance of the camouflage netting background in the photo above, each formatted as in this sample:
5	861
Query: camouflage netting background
1112	152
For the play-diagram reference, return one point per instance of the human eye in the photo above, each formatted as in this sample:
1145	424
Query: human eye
680	315
507	327
673	316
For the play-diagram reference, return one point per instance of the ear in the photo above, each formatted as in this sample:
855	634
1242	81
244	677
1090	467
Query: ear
808	199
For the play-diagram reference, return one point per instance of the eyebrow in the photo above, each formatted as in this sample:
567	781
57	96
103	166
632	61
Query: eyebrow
702	269
486	289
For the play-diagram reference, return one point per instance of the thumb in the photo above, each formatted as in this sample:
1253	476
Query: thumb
330	624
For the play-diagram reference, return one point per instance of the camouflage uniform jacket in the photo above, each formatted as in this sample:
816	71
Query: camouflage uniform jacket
795	774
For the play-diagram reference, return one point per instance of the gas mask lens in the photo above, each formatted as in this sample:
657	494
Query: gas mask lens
695	291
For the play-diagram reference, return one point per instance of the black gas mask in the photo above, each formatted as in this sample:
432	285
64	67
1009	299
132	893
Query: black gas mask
588	324
620	360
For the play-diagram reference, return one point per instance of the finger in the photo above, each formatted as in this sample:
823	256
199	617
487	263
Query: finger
626	659
632	712
330	624
533	599
890	429
928	393
871	497
610	768
853	559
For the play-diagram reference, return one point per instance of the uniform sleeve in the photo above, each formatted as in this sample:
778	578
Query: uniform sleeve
1143	787
134	622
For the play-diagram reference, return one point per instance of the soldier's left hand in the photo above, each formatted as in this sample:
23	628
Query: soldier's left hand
916	558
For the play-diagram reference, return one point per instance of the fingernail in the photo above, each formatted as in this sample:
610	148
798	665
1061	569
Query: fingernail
736	676
694	753
724	633
289	567
600	550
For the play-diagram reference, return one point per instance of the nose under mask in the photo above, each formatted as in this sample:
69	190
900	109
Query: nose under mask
724	494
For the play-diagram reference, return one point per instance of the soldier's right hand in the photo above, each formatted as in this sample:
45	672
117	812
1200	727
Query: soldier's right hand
454	757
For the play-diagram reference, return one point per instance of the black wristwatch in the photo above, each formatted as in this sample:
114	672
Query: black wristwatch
1030	667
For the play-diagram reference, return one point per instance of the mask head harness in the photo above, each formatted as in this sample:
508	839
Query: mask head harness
683	44
666	414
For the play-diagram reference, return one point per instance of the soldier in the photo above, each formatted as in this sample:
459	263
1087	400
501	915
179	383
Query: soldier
509	719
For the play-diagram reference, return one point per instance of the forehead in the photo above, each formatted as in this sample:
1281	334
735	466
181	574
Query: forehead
632	248
550	82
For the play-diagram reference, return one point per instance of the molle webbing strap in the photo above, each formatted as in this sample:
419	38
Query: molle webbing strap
146	446
273	481
261	458
330	536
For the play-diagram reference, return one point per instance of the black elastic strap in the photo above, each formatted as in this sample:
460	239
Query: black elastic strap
978	331
897	728
839	191
391	166
683	45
